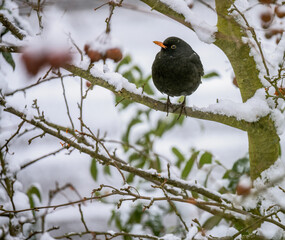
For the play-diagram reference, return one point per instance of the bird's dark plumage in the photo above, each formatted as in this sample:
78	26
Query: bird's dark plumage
177	68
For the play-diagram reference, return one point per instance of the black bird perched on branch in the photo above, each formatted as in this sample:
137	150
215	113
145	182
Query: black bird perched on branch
177	69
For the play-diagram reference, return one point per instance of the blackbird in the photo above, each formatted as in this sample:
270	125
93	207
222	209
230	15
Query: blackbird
177	69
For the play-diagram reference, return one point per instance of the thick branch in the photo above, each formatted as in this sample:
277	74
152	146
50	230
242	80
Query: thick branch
242	61
158	105
166	10
263	142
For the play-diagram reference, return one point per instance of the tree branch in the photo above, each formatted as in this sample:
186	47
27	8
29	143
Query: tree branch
118	164
12	28
11	49
158	105
166	10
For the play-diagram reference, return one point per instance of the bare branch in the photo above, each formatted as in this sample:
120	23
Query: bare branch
65	100
139	172
42	157
14	135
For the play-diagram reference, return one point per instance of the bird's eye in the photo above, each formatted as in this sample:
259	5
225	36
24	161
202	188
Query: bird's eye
173	46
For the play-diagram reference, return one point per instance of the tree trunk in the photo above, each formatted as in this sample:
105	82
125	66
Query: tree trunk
263	139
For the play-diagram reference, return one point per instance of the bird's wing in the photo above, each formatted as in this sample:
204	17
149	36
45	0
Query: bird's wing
194	58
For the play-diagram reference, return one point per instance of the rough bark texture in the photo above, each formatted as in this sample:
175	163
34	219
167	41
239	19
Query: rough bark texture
263	139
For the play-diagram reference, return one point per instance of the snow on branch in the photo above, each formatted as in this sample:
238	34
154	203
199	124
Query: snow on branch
108	158
251	110
204	31
239	115
180	11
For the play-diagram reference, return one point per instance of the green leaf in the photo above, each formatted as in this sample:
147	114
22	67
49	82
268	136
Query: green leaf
179	155
33	190
106	170
161	127
206	158
155	223
131	124
147	89
134	156
212	222
158	164
164	125
129	75
194	194
240	167
93	169
130	178
155	164
181	99
135	216
211	75
124	103
189	165
9	59
137	68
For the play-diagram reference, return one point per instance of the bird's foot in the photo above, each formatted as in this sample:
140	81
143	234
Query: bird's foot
182	108
168	103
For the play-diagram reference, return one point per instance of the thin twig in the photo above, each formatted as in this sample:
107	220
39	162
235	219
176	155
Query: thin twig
251	29
35	84
82	218
14	135
38	10
174	207
66	103
42	157
112	5
81	105
258	221
109	235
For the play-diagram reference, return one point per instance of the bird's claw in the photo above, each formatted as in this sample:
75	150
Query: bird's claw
182	108
168	103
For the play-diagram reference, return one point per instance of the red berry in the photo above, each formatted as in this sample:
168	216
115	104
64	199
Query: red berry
94	56
279	12
266	16
33	62
244	185
235	82
114	53
273	32
268	35
88	84
86	47
243	190
58	59
281	90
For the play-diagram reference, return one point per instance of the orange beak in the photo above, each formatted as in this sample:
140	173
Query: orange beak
160	44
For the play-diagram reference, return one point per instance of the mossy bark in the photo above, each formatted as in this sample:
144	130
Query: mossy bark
263	139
